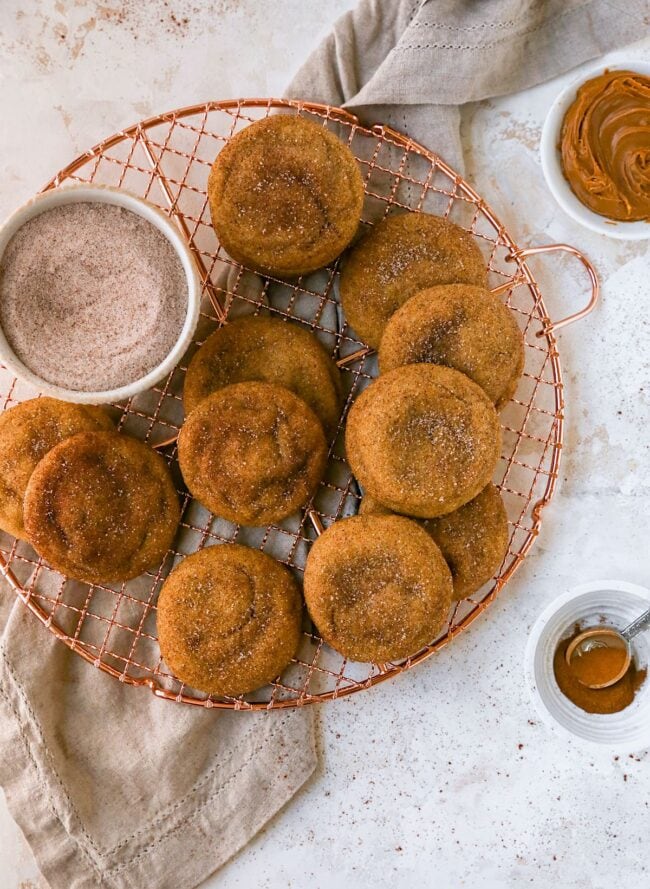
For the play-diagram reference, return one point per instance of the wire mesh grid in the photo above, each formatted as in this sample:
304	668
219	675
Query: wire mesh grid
166	160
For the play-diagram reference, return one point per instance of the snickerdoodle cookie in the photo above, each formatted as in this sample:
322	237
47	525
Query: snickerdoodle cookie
460	326
377	587
229	619
27	432
101	507
473	539
400	256
252	453
423	439
271	351
285	196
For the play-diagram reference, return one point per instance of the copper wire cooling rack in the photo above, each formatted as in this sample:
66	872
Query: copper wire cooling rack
166	160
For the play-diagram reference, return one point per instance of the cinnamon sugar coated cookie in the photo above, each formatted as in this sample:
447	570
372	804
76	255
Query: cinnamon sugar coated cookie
460	326
285	196
101	507
377	588
252	453
27	432
423	439
472	539
271	351
228	619
400	256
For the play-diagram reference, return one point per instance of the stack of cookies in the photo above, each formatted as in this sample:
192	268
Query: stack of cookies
98	506
262	397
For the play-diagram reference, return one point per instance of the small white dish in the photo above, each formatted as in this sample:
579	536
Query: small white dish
619	603
552	162
72	194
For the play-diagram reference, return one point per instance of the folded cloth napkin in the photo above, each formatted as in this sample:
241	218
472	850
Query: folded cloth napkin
410	64
111	786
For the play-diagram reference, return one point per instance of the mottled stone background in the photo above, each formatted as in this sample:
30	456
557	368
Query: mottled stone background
445	777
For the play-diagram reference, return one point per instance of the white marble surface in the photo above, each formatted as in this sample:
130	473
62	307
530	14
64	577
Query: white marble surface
445	777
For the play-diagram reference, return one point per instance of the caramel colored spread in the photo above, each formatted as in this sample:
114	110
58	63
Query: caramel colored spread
612	699
598	665
605	145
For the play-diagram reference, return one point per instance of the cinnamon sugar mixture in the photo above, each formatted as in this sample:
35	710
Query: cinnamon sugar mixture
92	296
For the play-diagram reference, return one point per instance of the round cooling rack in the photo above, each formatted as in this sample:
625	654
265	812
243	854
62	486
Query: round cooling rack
166	160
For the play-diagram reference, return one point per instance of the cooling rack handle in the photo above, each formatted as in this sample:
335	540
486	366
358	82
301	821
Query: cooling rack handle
549	325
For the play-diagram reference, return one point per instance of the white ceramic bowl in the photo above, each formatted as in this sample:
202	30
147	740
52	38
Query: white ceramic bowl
71	194
619	603
552	163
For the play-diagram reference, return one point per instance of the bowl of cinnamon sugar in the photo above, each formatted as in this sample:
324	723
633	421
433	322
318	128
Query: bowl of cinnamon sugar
99	294
617	717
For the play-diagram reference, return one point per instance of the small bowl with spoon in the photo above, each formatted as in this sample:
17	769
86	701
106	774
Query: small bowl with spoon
605	618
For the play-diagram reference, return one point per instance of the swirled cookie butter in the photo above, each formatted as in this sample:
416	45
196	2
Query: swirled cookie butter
605	145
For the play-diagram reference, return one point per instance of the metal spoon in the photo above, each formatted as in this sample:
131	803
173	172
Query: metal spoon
607	637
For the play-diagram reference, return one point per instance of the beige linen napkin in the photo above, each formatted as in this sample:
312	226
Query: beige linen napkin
410	64
111	786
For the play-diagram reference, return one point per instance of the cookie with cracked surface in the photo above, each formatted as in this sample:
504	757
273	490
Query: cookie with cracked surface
400	256
377	587
423	439
229	619
272	351
472	539
285	196
27	432
101	507
252	453
461	326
